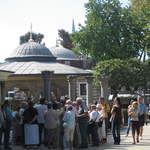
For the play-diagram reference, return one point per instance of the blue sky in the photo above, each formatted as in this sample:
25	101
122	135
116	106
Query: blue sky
46	16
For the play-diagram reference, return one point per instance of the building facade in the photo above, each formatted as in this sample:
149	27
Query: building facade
38	73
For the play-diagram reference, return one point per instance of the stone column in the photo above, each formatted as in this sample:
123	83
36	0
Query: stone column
105	88
46	76
72	87
89	90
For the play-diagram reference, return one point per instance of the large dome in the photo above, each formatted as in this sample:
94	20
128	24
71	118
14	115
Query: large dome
31	51
63	53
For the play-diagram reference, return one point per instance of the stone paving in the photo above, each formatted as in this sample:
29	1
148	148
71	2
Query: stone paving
126	143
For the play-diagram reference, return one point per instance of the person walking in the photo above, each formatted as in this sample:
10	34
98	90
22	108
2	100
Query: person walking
117	118
129	119
142	114
133	113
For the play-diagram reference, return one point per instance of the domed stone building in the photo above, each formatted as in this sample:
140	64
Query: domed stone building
66	56
37	73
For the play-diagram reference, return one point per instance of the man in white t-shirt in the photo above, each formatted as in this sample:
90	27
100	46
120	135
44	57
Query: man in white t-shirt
94	130
41	109
69	126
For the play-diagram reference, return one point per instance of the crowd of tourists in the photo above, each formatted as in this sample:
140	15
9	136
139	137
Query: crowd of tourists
68	124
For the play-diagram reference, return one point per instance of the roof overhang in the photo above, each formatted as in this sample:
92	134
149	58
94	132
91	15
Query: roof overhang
35	68
4	75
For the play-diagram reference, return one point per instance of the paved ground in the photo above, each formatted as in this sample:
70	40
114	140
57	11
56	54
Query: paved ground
126	143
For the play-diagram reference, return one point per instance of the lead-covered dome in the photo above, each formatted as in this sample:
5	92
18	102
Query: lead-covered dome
31	51
63	53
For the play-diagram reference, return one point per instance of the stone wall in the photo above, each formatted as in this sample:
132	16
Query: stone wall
30	87
34	87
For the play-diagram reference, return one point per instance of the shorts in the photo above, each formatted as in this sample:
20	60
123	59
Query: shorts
141	120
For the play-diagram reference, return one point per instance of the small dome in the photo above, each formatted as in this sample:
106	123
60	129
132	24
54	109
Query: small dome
30	51
63	53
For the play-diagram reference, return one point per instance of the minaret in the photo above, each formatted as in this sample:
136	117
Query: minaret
73	26
31	40
57	42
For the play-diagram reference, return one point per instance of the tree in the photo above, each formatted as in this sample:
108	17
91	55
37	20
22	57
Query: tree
131	74
37	37
65	39
109	31
141	10
112	35
137	5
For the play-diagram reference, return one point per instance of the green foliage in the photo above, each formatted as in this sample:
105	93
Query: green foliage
65	39
117	38
36	37
138	5
130	73
109	31
141	11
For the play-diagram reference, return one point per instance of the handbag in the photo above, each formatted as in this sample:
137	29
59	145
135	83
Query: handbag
100	122
91	125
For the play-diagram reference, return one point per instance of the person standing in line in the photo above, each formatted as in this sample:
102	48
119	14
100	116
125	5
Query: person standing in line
16	127
59	111
106	109
117	118
94	130
24	106
50	127
101	124
133	113
142	114
82	118
1	126
31	129
8	117
41	109
77	137
69	126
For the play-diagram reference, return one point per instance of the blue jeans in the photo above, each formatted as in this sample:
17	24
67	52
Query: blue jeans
116	131
129	125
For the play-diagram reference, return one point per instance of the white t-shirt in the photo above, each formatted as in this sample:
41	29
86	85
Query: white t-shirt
41	109
94	115
69	118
